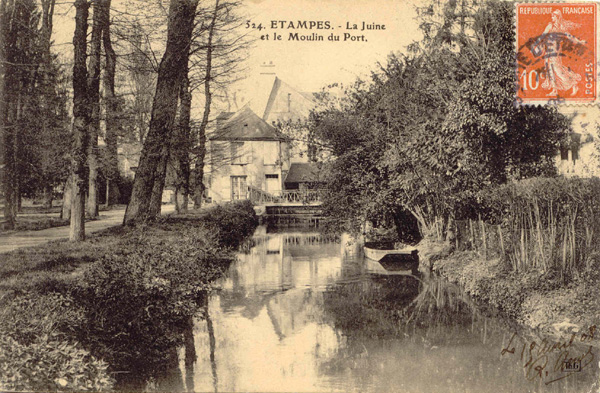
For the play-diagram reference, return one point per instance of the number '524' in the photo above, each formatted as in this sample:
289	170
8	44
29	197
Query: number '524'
252	25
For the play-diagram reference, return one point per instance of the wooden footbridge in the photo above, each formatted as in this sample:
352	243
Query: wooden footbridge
288	207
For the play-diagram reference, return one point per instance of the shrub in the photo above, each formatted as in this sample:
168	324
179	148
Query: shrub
49	364
137	304
36	351
137	294
231	223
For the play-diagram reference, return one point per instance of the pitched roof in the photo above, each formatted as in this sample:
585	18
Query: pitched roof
245	125
303	172
287	103
224	116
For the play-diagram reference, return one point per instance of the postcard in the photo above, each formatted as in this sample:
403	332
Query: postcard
300	196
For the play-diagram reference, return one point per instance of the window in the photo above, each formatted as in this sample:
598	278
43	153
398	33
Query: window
239	188
272	183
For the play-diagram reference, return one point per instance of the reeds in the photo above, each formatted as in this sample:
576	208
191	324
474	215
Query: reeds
544	224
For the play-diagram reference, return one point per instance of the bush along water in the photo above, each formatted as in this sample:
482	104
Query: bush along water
129	309
532	249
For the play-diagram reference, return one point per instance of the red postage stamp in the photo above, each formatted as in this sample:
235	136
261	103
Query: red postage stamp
556	53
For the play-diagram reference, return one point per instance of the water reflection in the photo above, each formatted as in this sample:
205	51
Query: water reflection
299	312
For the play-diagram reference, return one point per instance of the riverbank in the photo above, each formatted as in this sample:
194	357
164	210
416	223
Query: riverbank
541	301
74	314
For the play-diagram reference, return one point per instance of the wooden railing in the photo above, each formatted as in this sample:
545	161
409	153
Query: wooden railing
259	196
286	196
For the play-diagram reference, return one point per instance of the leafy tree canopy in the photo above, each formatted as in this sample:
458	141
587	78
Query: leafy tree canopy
435	127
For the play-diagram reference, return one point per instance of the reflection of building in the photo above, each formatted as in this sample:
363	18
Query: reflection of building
286	261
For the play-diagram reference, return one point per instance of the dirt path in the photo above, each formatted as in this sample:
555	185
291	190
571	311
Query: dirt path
22	239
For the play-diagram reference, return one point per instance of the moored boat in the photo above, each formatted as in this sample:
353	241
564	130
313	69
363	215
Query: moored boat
377	251
388	259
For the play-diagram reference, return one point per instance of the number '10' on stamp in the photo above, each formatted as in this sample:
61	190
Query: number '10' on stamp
556	53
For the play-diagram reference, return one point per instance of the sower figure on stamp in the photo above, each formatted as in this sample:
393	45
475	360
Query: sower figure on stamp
558	76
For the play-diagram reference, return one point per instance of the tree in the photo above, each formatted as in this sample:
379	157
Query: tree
112	109
6	178
183	144
201	147
150	176
217	50
433	129
98	26
141	67
21	57
81	122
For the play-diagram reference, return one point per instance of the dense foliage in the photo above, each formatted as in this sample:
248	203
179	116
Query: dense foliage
33	111
128	307
432	129
139	300
37	352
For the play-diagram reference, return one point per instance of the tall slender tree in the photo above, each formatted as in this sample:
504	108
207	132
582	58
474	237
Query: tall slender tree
21	57
46	41
216	63
201	142
150	175
110	99
94	104
182	145
81	120
5	167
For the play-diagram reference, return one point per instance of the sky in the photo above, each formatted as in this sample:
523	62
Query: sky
307	66
311	65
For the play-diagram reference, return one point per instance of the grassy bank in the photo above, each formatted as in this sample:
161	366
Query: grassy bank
72	314
538	299
531	249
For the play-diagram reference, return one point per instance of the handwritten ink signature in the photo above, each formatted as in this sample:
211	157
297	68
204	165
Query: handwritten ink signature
539	362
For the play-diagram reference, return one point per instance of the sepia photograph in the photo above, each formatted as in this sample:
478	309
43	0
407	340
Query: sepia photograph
299	196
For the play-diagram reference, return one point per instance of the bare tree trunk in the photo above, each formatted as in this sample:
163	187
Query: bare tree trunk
182	144
17	137
107	194
149	178
94	103
67	196
177	194
5	125
80	123
201	147
159	182
48	197
112	193
46	37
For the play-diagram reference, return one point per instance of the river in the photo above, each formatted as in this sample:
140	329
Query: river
299	311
